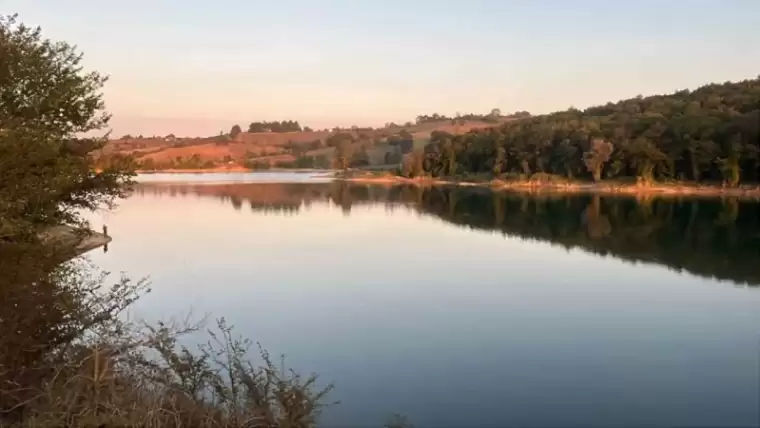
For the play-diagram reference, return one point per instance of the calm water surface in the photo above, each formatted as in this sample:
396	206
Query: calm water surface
463	307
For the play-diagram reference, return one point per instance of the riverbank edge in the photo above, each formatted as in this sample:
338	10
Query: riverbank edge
74	242
226	169
518	186
534	187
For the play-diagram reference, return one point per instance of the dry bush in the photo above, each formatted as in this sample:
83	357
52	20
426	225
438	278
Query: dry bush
67	358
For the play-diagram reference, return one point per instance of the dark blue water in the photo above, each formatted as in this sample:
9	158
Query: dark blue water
465	308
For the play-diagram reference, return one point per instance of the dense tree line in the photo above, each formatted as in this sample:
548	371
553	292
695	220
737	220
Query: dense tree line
709	134
490	117
276	126
436	117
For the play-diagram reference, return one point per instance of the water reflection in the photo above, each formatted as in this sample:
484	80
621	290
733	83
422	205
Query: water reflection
710	238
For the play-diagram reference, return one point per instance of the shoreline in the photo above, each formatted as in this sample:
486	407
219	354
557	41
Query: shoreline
530	187
535	187
235	168
228	169
72	241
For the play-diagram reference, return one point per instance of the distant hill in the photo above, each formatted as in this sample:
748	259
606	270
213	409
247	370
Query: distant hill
269	148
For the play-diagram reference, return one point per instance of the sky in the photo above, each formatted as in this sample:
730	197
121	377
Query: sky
193	67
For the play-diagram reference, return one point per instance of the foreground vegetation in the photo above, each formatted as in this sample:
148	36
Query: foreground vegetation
67	355
68	358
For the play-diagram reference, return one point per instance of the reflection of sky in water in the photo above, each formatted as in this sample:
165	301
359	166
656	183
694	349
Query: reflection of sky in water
449	326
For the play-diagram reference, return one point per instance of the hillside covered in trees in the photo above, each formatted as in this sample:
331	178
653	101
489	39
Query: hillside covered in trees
711	134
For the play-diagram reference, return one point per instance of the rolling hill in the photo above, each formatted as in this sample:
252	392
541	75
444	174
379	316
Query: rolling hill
266	149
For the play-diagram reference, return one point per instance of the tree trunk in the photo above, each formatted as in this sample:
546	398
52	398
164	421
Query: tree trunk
597	173
695	173
732	172
525	166
646	172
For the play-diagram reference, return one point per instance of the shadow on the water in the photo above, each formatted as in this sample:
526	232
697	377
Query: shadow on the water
707	237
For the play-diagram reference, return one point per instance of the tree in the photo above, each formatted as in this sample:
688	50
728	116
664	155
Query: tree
343	153
337	139
450	158
495	112
48	105
235	131
597	156
499	159
359	158
255	127
148	164
645	157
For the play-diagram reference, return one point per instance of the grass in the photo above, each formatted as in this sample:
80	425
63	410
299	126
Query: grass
67	358
152	382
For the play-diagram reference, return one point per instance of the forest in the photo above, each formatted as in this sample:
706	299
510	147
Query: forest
711	134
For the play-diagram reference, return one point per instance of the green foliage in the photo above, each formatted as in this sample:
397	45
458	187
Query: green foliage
359	157
67	358
412	165
343	154
47	104
543	177
192	162
404	140
306	162
594	159
711	134
276	126
490	117
148	164
256	164
339	138
235	131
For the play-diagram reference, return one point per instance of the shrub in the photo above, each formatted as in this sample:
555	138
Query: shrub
73	362
542	177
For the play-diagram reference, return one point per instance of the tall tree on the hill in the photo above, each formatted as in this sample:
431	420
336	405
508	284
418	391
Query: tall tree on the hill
235	131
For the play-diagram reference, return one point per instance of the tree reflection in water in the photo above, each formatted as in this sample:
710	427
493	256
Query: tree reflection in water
714	238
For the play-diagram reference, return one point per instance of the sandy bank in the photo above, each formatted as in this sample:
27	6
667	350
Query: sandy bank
673	190
226	168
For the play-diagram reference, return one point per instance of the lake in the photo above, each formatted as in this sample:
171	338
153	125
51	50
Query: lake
463	307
